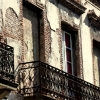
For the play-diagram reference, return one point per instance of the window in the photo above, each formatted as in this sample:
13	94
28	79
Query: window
31	34
96	59
67	52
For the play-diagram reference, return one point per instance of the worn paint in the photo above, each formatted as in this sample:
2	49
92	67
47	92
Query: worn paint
52	15
13	4
31	45
16	44
96	58
87	43
68	15
54	58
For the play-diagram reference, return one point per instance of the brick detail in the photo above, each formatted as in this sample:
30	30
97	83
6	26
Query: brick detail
78	49
47	38
11	22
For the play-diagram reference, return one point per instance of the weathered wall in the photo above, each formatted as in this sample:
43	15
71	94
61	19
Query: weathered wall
14	4
53	14
1	16
87	43
96	60
11	28
54	57
31	32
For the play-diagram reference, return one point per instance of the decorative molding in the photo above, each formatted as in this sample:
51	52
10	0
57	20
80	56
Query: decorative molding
94	19
74	6
88	1
95	2
38	4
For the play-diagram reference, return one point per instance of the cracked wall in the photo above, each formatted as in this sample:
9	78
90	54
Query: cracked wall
11	34
53	14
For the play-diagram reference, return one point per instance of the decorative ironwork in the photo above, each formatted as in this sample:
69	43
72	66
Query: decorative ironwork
6	62
41	78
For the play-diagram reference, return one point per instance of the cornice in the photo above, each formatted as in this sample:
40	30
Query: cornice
37	4
95	2
94	19
73	5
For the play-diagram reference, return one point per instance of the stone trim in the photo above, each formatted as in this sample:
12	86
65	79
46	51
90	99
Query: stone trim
38	4
73	5
78	54
94	19
95	40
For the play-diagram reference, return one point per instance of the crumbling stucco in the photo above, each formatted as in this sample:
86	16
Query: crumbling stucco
54	59
68	15
31	43
87	48
1	21
11	22
13	4
52	15
17	45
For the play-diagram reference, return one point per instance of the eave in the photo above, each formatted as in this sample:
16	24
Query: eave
94	19
73	6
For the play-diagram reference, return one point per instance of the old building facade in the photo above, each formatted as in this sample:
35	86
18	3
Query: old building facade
56	47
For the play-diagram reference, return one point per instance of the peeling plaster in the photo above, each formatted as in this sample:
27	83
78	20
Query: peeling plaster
66	14
13	4
54	58
52	15
16	44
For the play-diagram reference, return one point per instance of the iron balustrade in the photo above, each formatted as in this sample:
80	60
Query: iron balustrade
6	63
40	78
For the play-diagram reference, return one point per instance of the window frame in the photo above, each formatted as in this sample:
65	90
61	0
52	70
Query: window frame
64	53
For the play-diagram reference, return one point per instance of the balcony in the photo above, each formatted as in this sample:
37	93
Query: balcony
39	80
7	80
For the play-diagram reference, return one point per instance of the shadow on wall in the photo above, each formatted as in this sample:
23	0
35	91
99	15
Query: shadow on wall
86	21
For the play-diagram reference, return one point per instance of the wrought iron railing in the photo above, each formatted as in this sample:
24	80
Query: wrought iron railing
40	78
6	63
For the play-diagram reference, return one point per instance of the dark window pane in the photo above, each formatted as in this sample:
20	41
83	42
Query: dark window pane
67	40
69	68
68	52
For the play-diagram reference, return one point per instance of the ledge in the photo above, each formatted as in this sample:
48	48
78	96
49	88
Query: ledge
8	84
73	5
94	19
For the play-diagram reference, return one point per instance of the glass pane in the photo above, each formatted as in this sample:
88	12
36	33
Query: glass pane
69	68
68	52
67	40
